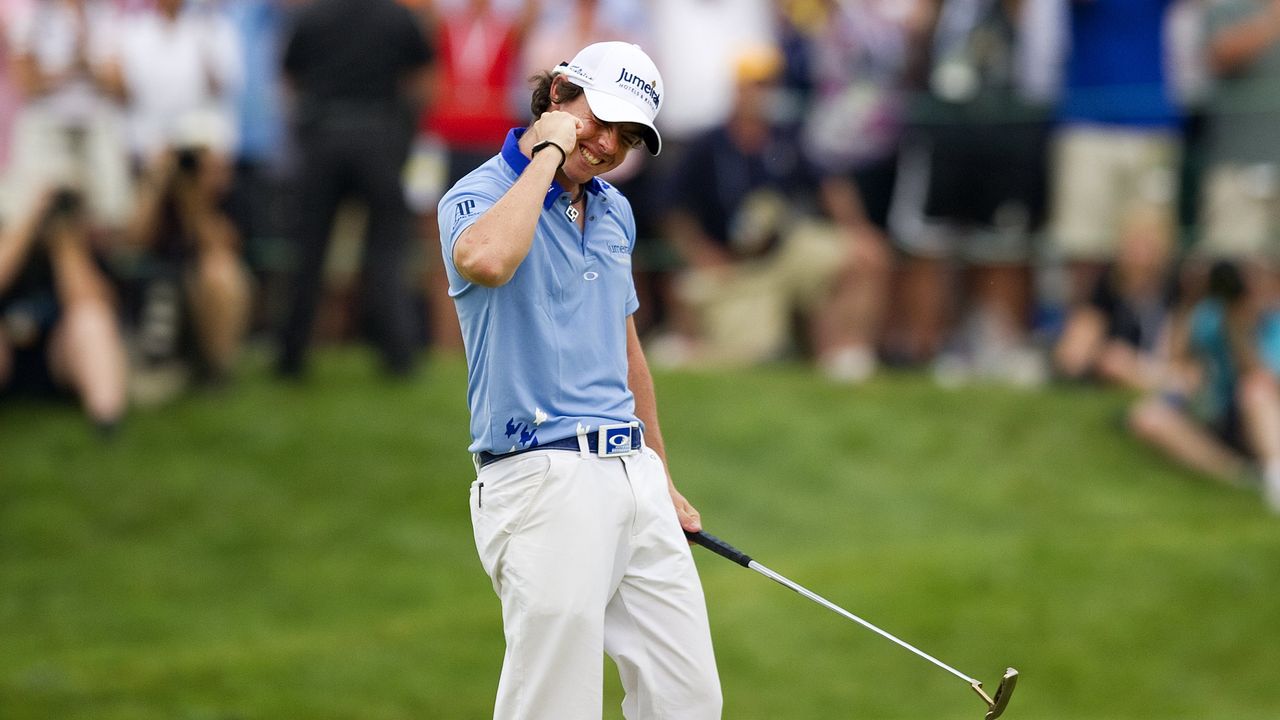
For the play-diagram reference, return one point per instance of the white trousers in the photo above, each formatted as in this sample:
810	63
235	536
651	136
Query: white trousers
587	557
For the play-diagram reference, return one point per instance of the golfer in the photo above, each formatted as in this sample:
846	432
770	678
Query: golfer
576	519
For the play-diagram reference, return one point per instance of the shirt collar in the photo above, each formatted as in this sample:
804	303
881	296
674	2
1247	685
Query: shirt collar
518	162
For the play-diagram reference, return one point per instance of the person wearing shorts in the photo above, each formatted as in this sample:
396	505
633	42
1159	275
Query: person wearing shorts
1241	199
970	197
576	519
1117	143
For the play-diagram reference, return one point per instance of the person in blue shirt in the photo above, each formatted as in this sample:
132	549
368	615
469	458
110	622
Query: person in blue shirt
576	519
1117	141
1225	419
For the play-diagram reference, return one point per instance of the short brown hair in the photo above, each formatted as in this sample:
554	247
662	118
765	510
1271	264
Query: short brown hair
543	83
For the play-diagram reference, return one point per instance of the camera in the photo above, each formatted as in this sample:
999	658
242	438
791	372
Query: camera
66	202
188	159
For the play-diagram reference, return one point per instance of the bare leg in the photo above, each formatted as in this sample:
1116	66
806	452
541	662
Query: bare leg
1260	407
1259	401
219	290
1004	292
86	350
219	284
1156	422
923	308
1124	365
87	354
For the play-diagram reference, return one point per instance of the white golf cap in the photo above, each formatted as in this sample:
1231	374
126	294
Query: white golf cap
621	83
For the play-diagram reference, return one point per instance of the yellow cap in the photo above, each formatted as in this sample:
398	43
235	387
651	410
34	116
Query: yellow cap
758	63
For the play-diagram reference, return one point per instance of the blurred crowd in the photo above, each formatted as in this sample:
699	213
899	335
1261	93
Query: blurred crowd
1005	191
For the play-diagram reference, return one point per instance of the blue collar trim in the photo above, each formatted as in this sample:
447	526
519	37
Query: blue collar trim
518	162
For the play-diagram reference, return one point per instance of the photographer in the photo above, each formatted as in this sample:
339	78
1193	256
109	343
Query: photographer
193	251
69	129
58	327
178	70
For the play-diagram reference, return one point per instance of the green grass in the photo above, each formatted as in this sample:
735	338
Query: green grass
277	551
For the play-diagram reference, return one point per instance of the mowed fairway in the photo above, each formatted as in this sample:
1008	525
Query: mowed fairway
281	551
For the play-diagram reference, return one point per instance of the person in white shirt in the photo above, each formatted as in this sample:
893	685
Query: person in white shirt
179	68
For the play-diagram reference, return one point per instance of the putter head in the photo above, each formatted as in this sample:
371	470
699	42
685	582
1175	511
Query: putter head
996	705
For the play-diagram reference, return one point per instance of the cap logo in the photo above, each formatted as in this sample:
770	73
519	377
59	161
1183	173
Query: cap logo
634	84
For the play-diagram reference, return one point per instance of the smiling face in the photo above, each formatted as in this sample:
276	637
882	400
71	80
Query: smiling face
602	146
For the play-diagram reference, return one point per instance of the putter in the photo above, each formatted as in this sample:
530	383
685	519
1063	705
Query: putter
995	705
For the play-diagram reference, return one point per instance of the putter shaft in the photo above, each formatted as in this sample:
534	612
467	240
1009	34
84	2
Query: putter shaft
781	580
995	705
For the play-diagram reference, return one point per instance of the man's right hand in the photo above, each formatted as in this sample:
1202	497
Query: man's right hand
560	128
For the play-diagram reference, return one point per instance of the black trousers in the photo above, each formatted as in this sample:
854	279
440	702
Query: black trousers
353	153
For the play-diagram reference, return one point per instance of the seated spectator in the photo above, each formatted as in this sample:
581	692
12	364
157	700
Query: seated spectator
745	215
178	70
1119	336
58	326
1226	417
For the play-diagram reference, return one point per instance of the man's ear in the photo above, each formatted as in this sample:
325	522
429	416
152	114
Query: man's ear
557	83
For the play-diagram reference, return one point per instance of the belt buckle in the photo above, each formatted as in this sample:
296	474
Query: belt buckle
618	440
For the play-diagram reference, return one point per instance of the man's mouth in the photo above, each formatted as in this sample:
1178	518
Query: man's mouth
591	159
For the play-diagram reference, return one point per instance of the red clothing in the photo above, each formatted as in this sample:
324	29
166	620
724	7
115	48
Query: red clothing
478	58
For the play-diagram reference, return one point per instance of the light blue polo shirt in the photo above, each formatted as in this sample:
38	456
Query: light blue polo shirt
546	352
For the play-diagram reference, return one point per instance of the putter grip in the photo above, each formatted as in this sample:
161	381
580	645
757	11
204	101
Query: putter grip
719	547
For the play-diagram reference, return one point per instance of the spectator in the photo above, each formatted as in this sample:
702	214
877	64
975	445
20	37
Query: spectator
179	70
703	39
1232	414
859	55
69	130
359	72
1117	142
58	326
1120	336
479	65
970	195
567	26
1241	202
743	217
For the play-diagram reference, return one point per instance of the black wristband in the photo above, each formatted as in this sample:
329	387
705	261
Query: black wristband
547	143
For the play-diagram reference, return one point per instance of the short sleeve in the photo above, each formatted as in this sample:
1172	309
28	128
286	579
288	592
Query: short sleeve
458	210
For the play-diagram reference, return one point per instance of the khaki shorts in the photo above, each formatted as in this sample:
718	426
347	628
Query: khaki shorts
745	311
1100	174
1240	211
45	155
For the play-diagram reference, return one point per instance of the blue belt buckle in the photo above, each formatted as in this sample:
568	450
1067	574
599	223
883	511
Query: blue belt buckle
618	440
